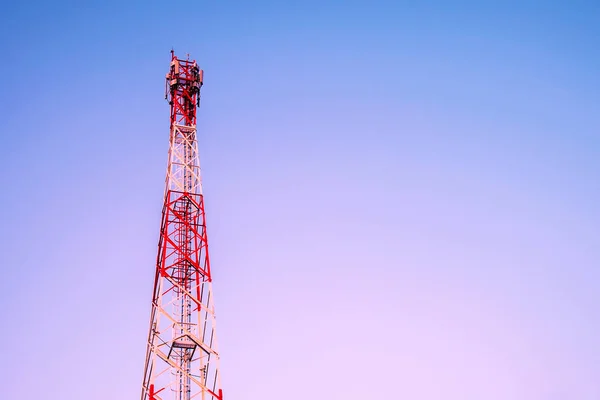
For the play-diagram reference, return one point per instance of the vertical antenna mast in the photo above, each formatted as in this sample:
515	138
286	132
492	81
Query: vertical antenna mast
182	362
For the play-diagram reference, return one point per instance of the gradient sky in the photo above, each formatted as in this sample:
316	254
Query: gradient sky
403	200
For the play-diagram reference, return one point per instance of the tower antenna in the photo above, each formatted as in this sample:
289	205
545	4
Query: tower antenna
182	362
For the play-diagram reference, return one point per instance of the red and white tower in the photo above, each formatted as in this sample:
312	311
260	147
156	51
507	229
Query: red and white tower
182	362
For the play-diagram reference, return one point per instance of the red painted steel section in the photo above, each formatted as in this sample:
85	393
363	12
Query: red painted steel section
183	214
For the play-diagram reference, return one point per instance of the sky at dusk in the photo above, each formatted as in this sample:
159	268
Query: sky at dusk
402	197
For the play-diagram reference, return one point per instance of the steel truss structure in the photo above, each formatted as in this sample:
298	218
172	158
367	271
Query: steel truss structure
182	362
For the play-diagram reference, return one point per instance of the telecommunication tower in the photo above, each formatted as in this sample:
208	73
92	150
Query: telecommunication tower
182	362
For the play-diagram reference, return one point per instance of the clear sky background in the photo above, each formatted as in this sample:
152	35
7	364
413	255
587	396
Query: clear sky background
403	200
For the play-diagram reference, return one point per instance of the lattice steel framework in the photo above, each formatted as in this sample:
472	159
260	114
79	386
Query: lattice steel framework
182	362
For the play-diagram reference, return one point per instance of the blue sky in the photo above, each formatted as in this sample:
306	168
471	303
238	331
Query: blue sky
402	199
